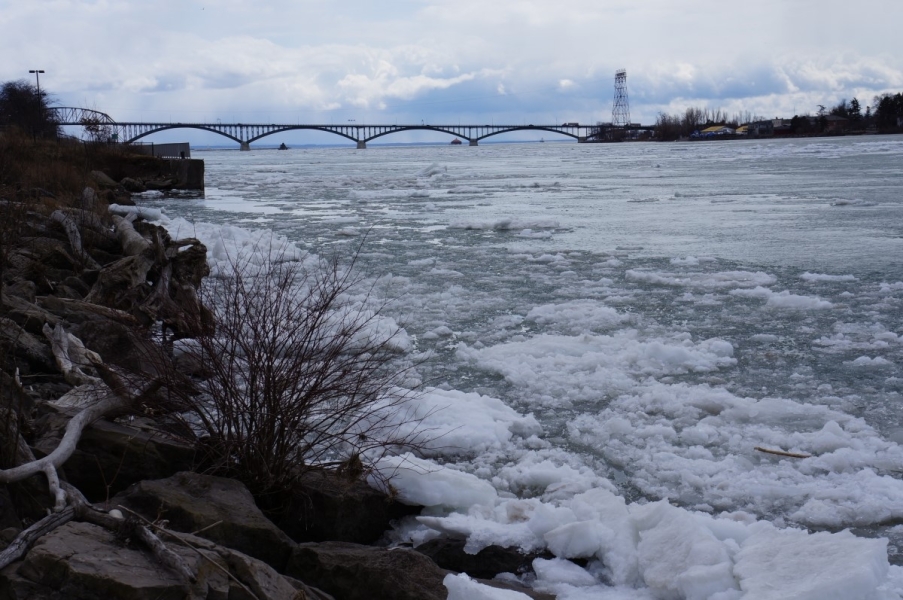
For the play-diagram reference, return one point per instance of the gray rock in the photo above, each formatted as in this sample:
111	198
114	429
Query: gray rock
328	507
356	572
132	185
110	457
487	563
83	561
192	502
102	179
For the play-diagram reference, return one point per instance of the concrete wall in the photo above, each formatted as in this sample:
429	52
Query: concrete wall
189	173
175	150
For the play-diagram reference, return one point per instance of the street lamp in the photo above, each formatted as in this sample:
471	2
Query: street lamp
37	77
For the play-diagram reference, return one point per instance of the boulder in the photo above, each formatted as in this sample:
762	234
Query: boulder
328	507
487	563
221	510
27	315
28	348
103	180
132	185
110	457
83	561
357	572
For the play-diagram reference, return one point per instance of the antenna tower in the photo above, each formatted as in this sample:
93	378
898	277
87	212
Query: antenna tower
620	110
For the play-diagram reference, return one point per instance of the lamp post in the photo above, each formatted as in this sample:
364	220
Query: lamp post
37	77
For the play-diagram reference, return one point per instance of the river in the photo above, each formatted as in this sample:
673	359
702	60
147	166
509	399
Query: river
661	309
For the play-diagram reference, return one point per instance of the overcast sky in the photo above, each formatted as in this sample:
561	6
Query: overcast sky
501	61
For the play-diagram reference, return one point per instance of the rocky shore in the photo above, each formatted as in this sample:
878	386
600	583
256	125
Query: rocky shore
103	502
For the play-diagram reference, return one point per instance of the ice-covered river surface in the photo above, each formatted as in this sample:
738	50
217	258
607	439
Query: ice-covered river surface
662	311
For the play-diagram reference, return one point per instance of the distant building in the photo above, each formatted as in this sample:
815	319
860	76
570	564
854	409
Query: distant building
716	130
761	129
835	124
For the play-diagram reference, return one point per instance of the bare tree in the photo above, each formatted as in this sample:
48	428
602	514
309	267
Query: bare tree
298	374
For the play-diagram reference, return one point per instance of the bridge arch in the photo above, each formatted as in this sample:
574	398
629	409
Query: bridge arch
450	132
181	126
301	128
529	128
72	115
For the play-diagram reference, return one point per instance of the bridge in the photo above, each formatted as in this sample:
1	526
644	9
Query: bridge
103	126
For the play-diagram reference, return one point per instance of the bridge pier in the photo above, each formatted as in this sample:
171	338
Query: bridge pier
474	143
362	145
245	147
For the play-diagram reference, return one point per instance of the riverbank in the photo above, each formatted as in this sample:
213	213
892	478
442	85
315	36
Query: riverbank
86	285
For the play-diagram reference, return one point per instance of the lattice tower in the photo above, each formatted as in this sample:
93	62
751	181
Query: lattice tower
620	110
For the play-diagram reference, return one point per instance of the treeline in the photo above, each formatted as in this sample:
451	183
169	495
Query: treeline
885	115
676	126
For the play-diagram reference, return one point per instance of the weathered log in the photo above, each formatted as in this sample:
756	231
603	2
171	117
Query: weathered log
164	554
71	355
122	397
75	239
133	243
24	540
782	453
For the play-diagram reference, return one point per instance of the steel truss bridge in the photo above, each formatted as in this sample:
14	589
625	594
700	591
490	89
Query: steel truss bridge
102	125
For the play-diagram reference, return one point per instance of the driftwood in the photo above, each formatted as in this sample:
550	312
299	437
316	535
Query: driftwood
81	510
24	540
782	453
180	539
133	243
113	314
71	355
75	238
123	395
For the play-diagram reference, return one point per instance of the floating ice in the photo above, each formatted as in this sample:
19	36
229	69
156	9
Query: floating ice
433	169
462	587
722	279
793	565
507	224
829	278
784	299
421	482
144	212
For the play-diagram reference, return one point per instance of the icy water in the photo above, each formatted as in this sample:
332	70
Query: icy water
660	309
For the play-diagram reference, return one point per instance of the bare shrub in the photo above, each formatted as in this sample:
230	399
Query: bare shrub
299	374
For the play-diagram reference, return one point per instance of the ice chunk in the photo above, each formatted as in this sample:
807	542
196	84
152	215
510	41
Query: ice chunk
433	169
784	299
721	279
462	587
791	564
828	278
143	212
558	570
678	557
421	482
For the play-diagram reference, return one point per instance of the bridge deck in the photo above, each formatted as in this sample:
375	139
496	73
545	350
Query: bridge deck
246	133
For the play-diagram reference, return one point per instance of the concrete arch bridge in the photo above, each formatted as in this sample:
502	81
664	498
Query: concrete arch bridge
246	133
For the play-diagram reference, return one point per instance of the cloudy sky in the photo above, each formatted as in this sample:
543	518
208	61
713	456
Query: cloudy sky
501	61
